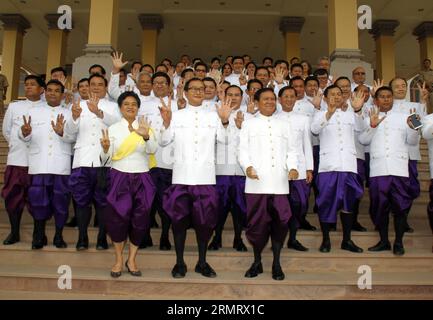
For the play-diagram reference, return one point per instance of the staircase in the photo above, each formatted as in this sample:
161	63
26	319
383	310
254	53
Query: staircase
27	274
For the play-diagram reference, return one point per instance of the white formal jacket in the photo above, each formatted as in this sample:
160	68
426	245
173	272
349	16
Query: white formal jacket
193	131
136	162
88	129
337	140
12	123
48	152
427	133
389	152
301	136
266	144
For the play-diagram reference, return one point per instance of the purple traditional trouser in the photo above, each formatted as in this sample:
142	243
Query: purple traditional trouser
231	191
15	189
316	159
367	169
415	188
49	195
389	193
267	215
430	206
192	205
129	201
83	183
298	198
162	180
361	178
337	191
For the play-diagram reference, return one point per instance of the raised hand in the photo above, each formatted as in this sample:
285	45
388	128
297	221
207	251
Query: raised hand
357	100
243	79
225	110
409	120
166	113
143	127
250	74
376	85
252	173
118	64
62	80
425	94
76	109
239	119
26	128
74	85
251	106
279	75
293	174
375	120
317	100
180	89
220	91
105	140
332	107
92	104
59	125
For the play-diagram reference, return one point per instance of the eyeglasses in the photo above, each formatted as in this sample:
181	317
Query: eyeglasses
160	83
200	70
195	89
359	73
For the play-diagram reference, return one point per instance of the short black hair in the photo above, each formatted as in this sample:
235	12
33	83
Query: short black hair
209	79
281	92
330	88
397	78
320	72
426	59
357	88
161	65
148	66
294	79
38	79
57	83
250	82
294	58
259	93
268	58
167	59
186	88
384	88
238	58
134	63
161	74
296	65
215	59
251	62
81	81
201	64
97	75
276	63
227	64
185	71
127	94
262	68
234	86
311	78
59	69
342	78
98	66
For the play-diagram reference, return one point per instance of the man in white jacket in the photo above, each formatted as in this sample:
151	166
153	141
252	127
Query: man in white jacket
389	134
268	157
427	133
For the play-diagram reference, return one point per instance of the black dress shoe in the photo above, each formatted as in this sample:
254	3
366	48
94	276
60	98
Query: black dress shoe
332	227
36	245
102	244
325	247
409	229
72	223
114	274
351	246
305	225
205	270
277	273
254	270
59	243
136	273
82	244
179	271
239	246
358	227
11	239
398	249
215	245
296	245
164	244
380	246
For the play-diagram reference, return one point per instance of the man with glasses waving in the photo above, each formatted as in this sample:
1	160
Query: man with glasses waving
193	199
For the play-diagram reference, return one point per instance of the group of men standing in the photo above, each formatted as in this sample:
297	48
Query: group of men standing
253	144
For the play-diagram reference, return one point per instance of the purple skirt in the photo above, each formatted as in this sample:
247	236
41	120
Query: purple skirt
15	189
